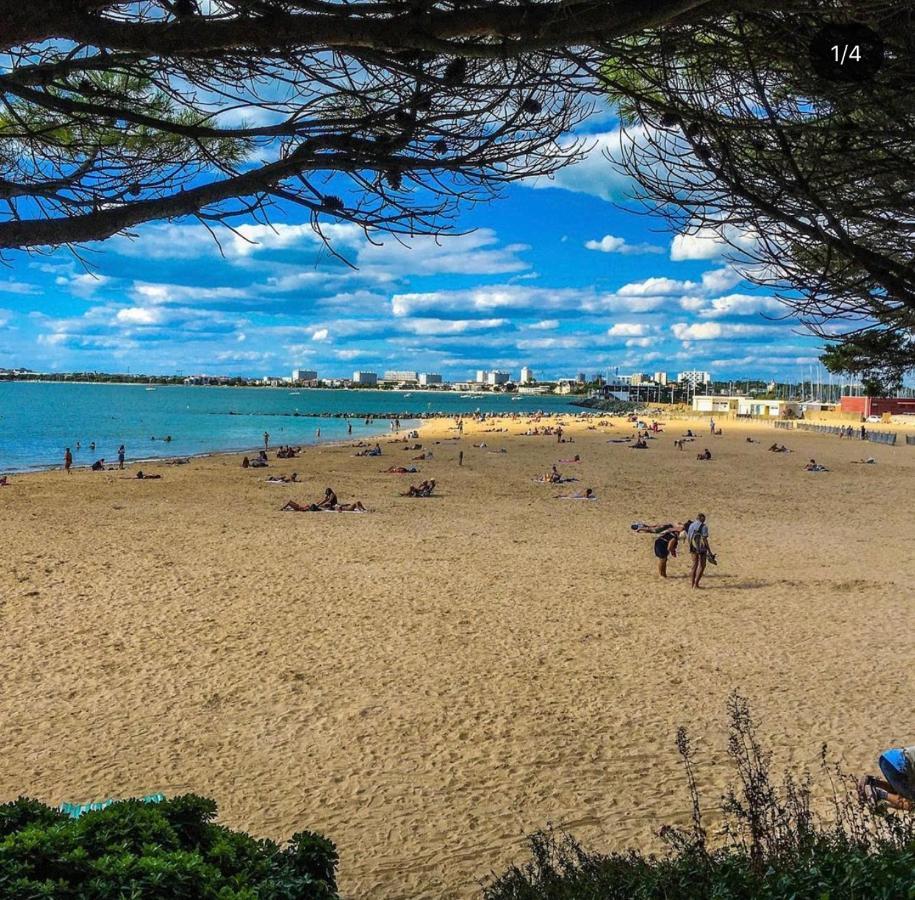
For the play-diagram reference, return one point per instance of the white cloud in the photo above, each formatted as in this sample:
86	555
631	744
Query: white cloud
709	331
640	342
544	325
628	329
83	285
710	243
141	315
10	286
432	326
320	334
717	280
741	305
610	244
656	287
596	174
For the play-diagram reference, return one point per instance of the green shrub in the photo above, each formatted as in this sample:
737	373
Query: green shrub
163	850
772	847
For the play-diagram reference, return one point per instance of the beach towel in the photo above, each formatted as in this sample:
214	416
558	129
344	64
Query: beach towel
75	810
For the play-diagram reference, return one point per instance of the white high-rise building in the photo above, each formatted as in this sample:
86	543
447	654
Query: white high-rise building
300	375
396	376
427	378
694	378
527	376
660	378
495	377
365	378
481	376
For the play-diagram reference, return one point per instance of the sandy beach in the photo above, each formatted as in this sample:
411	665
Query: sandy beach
428	682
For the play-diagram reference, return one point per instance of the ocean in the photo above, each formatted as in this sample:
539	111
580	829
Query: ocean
38	420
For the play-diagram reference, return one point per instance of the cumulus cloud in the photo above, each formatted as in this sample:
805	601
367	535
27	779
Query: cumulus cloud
710	243
710	331
628	329
320	334
610	244
741	305
597	173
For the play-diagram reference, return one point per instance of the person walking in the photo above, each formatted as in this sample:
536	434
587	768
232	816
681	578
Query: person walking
121	454
266	440
697	536
68	460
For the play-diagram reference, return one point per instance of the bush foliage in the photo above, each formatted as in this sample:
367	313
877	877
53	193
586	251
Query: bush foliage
771	845
171	849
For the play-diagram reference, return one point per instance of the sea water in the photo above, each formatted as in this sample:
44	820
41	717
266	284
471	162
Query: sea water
38	420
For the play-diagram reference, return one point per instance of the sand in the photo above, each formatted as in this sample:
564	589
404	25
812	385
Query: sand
427	683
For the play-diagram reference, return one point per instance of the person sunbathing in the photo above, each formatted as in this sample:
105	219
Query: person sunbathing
751	441
144	477
399	470
574	459
814	466
351	507
640	444
870	461
98	465
705	454
586	494
659	528
419	458
4	481
423	489
329	501
779	448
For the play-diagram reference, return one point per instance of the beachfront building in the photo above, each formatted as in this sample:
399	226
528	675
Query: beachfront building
878	406
694	378
397	377
659	378
366	379
495	378
481	376
300	375
638	378
527	376
718	404
428	378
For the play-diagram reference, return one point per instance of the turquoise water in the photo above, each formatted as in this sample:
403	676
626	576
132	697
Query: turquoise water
39	419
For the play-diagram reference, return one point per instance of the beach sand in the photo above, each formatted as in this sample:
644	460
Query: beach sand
427	683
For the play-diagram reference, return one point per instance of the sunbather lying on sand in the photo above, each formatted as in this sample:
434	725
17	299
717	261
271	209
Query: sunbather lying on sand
645	528
814	466
779	448
399	470
575	459
423	489
328	502
282	479
640	444
870	461
146	477
587	494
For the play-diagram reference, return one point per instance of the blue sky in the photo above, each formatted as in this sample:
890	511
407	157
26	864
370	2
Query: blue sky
554	275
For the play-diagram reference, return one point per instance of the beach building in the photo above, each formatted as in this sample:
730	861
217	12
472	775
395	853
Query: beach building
740	405
481	376
878	406
495	378
694	378
396	376
659	378
369	379
527	376
427	378
300	375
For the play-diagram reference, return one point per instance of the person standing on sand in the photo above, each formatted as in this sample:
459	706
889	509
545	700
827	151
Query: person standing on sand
266	440
665	546
121	453
68	460
461	458
699	549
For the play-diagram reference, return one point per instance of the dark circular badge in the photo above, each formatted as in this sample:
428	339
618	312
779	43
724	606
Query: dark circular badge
848	51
